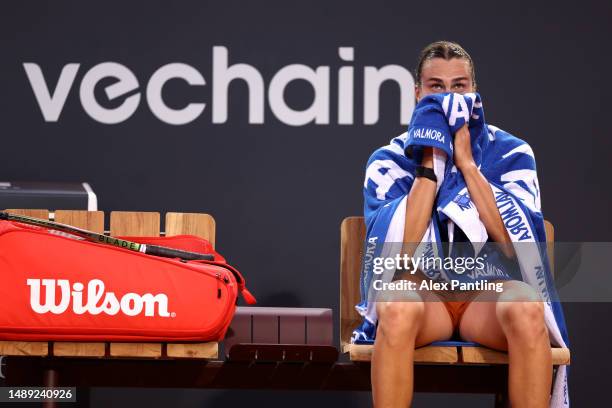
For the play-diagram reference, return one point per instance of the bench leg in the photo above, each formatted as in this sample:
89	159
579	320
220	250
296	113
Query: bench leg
50	380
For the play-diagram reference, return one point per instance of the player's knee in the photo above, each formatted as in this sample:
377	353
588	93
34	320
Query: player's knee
517	291
399	320
522	320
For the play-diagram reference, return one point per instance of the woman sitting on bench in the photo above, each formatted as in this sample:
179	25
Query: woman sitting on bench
512	320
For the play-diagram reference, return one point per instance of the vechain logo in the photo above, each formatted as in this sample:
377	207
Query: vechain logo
321	80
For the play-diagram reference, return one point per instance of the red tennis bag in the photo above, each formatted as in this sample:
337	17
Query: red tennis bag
53	287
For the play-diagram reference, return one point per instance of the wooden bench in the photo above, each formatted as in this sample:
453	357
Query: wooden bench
122	224
352	238
196	365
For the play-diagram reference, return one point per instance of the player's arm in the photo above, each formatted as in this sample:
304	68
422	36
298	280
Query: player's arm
480	191
419	206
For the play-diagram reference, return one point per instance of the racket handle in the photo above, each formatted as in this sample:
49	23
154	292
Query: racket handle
177	253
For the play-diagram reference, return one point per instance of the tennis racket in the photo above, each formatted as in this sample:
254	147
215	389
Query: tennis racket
105	239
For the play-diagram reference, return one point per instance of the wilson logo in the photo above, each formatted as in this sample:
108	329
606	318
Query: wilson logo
97	299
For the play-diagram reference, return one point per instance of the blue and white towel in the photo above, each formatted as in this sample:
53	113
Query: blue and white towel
507	162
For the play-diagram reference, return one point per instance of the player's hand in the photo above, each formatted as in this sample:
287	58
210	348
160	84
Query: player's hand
463	148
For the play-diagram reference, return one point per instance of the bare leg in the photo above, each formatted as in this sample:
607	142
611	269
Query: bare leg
402	326
515	322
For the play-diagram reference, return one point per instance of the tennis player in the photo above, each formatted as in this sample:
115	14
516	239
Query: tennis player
512	320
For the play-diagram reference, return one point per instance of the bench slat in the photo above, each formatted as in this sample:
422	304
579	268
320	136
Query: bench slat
140	350
201	225
134	223
193	350
89	220
352	235
470	355
482	355
347	328
42	214
24	348
428	354
78	349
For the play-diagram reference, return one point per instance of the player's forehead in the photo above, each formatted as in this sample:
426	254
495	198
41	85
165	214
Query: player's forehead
446	70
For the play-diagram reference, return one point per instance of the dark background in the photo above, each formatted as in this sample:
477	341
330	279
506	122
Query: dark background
543	71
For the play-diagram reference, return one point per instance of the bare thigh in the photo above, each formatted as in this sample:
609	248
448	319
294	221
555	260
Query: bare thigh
480	323
436	324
